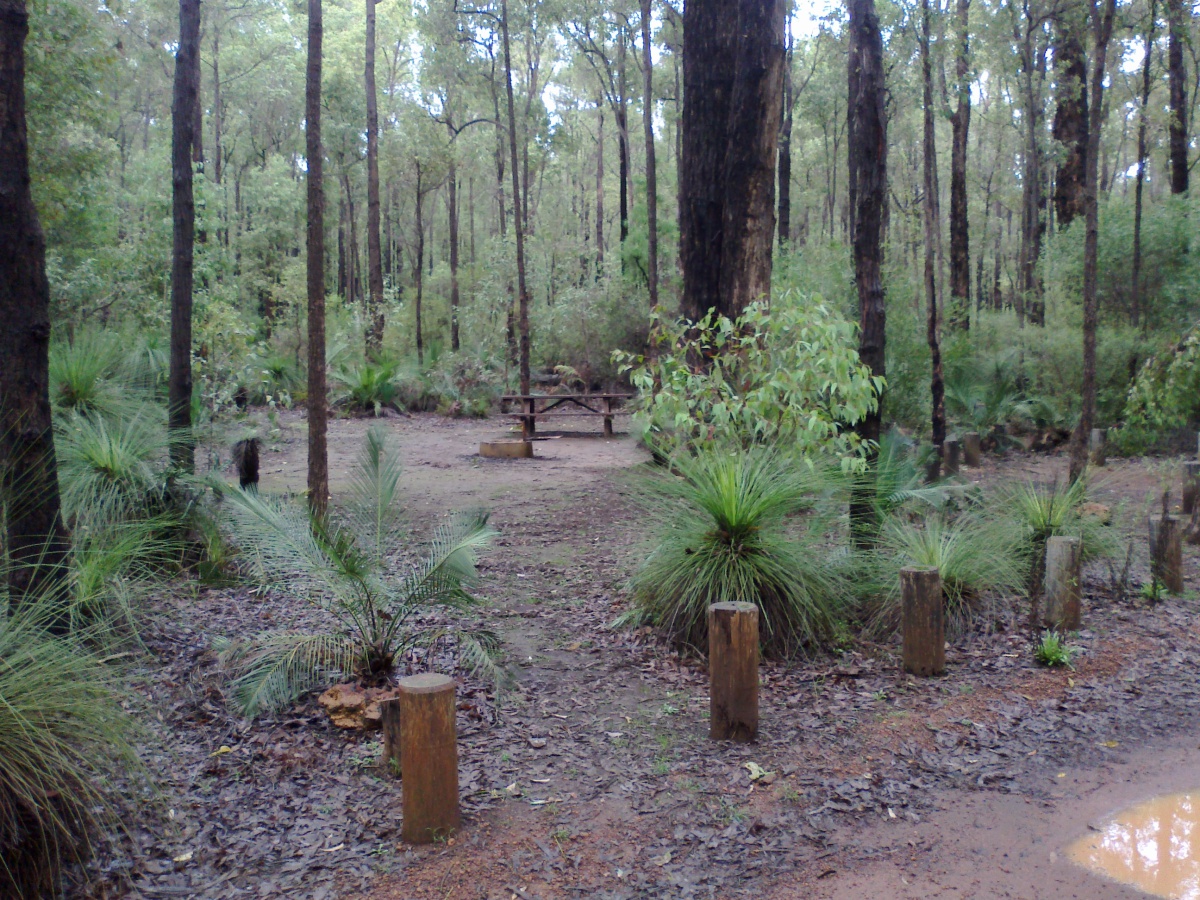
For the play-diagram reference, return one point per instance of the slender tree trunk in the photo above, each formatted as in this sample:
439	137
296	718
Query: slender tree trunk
599	192
419	269
958	317
318	412
217	112
785	153
651	165
35	537
375	321
518	226
1102	25
937	385
867	145
452	211
622	117
1033	223
183	212
1143	117
1177	83
343	268
1070	126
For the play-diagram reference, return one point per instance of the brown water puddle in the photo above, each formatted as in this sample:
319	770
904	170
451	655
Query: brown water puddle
1154	847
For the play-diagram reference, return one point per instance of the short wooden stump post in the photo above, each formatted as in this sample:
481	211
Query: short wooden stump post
1166	552
924	624
1064	583
1191	486
733	671
972	449
428	758
1098	447
951	456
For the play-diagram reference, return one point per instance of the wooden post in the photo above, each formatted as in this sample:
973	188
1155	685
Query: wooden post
608	429
924	621
428	758
1064	583
972	449
1098	447
389	723
1191	486
951	456
733	671
1166	552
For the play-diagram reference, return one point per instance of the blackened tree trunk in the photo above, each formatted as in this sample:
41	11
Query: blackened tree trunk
651	164
1177	83
35	537
518	225
622	116
452	213
867	145
419	268
1102	26
732	105
1070	127
318	412
375	320
958	316
183	215
785	153
929	163
1135	300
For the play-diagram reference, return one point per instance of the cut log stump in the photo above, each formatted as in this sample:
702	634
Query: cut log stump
1098	447
506	449
428	758
951	456
1191	486
972	449
733	671
1064	583
1166	552
924	621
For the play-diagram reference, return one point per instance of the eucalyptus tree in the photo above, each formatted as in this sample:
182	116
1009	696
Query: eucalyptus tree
318	411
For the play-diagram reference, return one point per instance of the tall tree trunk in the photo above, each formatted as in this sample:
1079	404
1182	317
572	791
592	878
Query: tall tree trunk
375	321
35	537
1102	26
1143	118
419	268
1070	127
785	153
958	317
651	165
217	112
599	192
452	211
343	269
183	214
518	225
1177	83
622	116
318	411
929	164
867	145
732	105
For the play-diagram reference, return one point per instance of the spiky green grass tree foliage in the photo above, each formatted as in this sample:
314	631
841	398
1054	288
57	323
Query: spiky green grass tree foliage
343	565
739	526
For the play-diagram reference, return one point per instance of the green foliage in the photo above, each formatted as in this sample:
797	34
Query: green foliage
1052	651
729	528
369	387
894	479
788	374
342	565
111	467
1166	393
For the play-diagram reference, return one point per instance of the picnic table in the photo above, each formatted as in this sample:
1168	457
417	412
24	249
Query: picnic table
542	406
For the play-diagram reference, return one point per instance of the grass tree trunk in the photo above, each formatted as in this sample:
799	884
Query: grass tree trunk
1177	84
867	145
1102	26
929	164
518	225
1135	299
651	164
1070	127
318	412
183	216
958	316
375	320
35	537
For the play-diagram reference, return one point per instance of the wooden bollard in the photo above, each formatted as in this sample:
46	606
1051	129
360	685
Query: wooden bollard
1064	583
733	671
1098	447
428	758
972	449
1191	486
951	456
389	725
924	621
1166	552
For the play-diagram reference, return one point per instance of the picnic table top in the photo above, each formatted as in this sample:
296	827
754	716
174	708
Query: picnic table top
568	397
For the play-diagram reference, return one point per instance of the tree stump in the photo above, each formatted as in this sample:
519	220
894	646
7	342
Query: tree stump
1191	486
951	456
1064	583
389	724
924	626
733	671
428	758
1098	447
1166	552
972	449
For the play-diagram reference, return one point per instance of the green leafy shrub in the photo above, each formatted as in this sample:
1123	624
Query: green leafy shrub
727	529
369	387
1166	393
1052	650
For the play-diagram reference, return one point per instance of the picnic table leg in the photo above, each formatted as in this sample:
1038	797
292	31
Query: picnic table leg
608	429
529	423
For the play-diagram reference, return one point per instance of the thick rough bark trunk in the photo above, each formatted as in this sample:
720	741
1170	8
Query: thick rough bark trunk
1070	127
785	154
183	215
733	87
35	537
318	412
375	321
958	316
867	143
929	169
1135	299
1177	82
518	225
1102	26
651	164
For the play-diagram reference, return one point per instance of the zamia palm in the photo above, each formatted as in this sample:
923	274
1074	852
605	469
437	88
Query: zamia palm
340	563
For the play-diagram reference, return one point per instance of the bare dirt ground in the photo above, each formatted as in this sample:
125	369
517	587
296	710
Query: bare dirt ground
594	776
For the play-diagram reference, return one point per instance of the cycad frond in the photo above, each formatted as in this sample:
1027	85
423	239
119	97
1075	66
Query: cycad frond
374	490
448	573
277	668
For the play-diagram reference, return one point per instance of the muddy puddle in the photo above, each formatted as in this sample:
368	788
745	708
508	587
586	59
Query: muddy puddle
1154	847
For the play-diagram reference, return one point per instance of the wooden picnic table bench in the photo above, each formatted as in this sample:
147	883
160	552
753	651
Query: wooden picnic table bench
540	406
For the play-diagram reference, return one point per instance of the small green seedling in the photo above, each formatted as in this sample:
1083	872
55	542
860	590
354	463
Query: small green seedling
1052	650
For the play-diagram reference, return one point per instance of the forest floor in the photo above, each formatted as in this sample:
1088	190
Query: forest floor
595	778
